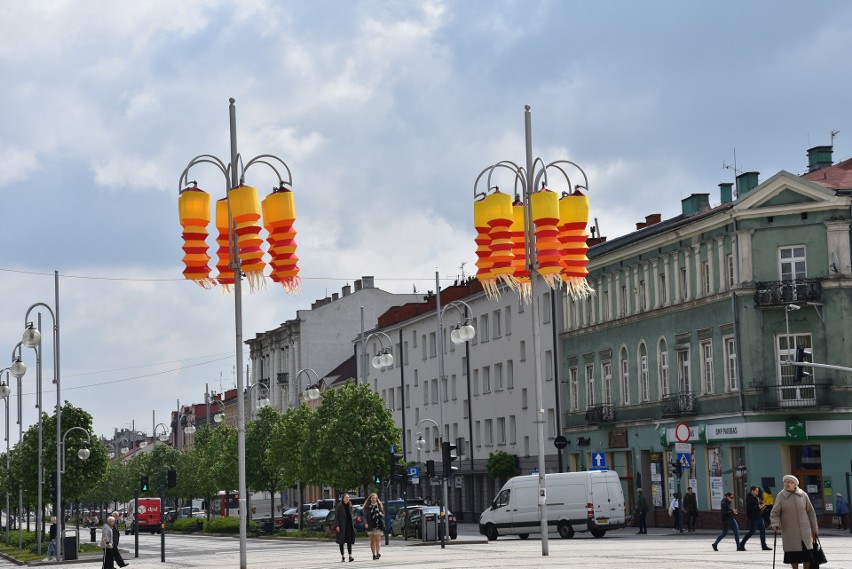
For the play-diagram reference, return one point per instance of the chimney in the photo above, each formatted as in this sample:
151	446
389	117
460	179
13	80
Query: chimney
746	182
726	192
653	219
346	290
819	157
334	296
592	241
367	282
640	225
695	203
357	285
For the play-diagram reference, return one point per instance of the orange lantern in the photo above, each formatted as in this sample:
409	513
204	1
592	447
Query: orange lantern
483	247
573	218
245	211
226	274
194	213
517	234
545	214
279	213
499	216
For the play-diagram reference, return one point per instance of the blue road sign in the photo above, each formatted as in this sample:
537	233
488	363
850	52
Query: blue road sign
414	472
598	460
683	459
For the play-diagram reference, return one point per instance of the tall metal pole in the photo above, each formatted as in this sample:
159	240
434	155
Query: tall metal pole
20	440
536	333
554	325
238	322
472	486
40	511
59	512
8	465
362	359
440	344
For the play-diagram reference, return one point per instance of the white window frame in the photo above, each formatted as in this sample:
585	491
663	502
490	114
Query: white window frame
573	388
644	376
732	373
590	385
684	383
663	359
606	374
624	368
708	380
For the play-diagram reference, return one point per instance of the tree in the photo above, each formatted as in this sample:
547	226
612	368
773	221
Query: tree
265	473
293	446
354	432
501	465
202	468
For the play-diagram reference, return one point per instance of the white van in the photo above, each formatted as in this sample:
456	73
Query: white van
576	501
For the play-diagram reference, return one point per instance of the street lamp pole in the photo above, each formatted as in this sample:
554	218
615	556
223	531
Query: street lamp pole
262	397
82	454
383	358
18	370
4	393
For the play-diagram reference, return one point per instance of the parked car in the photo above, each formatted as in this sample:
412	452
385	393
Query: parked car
314	519
290	518
200	514
393	506
414	516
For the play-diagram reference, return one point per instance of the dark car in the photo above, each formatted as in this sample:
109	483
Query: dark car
313	519
393	506
330	521
414	518
290	518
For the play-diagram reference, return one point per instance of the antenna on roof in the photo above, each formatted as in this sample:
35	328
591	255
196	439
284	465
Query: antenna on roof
834	134
727	166
461	268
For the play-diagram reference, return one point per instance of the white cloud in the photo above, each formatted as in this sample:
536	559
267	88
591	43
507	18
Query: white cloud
18	163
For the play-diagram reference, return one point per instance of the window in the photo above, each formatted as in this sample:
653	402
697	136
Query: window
453	385
407	397
385	396
414	338
706	347
397	358
551	423
433	344
435	390
476	382
663	359
705	277
663	291
405	352
624	301
510	374
416	375
606	372
464	366
644	379
399	396
684	284
730	265
423	345
526	446
643	296
605	305
507	320
545	308
792	263
496	324
590	385
464	406
477	435
524	398
683	383
444	389
731	373
625	378
483	328
573	389
523	344
489	432
486	379
513	428
548	365
501	430
786	348
426	392
498	377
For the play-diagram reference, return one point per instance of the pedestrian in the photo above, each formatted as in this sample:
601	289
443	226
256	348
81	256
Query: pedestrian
754	512
674	512
106	543
728	522
841	507
641	511
690	508
51	547
116	554
768	502
345	526
794	515
375	522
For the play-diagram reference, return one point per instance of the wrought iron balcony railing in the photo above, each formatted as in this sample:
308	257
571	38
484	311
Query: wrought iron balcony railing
600	414
777	293
678	404
792	396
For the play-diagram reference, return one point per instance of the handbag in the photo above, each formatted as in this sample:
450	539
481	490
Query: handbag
818	555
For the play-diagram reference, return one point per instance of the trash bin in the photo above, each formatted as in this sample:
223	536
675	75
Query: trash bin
266	527
94	535
69	545
429	529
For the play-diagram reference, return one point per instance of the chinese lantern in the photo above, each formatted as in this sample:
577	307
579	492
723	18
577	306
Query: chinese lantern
194	213
279	213
573	218
499	216
483	249
545	214
245	211
223	254
517	234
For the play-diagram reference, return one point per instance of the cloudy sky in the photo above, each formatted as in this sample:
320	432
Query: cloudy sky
385	112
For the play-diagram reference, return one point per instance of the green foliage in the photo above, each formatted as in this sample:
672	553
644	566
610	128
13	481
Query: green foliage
353	434
227	525
501	465
265	472
187	525
293	446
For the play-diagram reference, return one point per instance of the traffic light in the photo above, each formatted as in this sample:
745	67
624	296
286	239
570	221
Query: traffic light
172	480
448	457
144	483
53	486
377	476
675	469
399	472
430	468
800	372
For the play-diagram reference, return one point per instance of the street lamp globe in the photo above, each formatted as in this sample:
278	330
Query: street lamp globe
313	392
32	337
420	444
377	361
124	450
218	417
19	368
465	334
189	429
387	358
164	436
4	391
143	444
83	453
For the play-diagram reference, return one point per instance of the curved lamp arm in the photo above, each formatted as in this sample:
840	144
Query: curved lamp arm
82	454
312	391
164	436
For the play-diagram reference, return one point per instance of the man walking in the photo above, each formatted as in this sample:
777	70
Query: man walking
690	507
641	512
754	512
728	521
116	554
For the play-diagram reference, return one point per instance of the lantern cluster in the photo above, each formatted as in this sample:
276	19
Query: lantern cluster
559	227
244	210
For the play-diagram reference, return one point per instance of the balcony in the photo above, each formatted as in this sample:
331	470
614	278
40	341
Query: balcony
282	377
792	396
600	414
678	404
779	293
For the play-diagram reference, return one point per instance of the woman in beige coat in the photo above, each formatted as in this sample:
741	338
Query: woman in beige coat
794	514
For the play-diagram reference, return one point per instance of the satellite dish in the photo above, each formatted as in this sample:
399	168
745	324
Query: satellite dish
835	262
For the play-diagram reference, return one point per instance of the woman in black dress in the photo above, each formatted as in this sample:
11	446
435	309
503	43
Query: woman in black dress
374	513
345	528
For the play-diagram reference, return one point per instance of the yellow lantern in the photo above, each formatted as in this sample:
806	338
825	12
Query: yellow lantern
521	273
279	213
573	219
223	254
245	211
545	214
194	213
483	247
499	216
